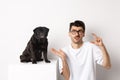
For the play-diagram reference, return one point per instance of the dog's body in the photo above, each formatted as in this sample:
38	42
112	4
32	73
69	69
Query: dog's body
36	46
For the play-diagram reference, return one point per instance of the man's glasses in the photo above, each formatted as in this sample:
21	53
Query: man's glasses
76	32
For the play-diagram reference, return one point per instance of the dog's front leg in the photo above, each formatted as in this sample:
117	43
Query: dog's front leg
33	57
45	56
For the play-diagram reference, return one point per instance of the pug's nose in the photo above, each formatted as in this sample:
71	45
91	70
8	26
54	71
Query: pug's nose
42	36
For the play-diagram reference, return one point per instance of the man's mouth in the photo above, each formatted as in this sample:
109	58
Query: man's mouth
77	38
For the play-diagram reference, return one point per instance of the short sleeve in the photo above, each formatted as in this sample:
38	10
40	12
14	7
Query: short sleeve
98	55
60	65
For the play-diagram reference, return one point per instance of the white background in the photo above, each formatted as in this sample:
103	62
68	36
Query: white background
19	17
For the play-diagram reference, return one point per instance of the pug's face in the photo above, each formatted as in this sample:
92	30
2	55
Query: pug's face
41	32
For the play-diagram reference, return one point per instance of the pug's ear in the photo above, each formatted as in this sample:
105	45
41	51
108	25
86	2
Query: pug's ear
47	29
35	29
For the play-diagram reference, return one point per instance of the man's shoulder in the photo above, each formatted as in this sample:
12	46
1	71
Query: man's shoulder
66	47
89	44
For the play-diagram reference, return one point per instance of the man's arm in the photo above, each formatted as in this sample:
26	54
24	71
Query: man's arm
65	69
65	72
106	59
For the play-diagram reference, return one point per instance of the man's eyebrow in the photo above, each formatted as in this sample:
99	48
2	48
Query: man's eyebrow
77	30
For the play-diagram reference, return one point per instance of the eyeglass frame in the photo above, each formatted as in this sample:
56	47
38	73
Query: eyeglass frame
77	32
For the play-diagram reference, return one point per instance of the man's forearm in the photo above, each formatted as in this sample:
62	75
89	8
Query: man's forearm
66	71
106	58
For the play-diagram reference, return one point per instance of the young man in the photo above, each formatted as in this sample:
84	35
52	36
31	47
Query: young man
78	60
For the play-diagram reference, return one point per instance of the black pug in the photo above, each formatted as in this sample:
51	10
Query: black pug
36	46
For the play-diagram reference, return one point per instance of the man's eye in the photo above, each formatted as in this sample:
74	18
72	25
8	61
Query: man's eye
80	30
73	31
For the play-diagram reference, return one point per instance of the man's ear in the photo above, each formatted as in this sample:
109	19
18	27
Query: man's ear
69	34
84	34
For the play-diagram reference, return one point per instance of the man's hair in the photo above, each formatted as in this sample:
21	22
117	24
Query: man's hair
77	23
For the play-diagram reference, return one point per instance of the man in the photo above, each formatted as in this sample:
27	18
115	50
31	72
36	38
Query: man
78	60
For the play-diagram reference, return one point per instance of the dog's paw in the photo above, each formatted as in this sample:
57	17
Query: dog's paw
40	60
34	62
47	61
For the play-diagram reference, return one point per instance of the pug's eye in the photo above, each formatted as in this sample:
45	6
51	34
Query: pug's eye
38	33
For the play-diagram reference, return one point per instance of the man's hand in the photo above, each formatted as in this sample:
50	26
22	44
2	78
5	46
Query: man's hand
106	60
65	69
59	53
97	40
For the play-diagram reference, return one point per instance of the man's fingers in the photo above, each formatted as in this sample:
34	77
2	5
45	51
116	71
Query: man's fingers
61	51
54	50
95	36
92	42
98	39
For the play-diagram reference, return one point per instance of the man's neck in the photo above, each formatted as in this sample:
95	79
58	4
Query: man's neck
77	45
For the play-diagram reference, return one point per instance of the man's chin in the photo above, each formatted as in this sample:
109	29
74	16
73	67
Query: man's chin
76	42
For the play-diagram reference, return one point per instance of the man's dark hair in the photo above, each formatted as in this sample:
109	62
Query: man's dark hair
77	23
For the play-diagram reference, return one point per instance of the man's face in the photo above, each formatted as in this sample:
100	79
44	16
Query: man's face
76	34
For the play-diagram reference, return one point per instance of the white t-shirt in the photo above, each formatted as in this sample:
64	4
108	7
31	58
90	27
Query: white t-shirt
82	61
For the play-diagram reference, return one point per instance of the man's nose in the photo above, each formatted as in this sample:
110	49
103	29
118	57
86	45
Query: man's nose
77	33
